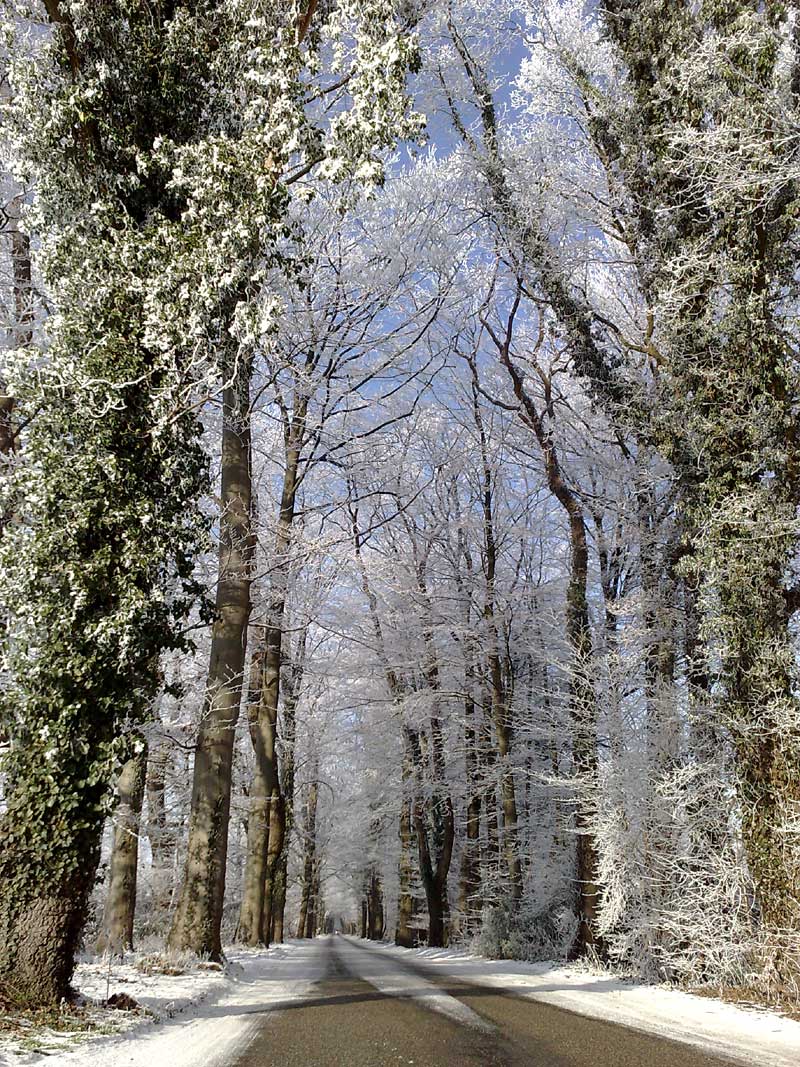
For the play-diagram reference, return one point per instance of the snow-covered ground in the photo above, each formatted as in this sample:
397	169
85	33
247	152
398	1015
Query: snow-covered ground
199	1019
204	1018
754	1037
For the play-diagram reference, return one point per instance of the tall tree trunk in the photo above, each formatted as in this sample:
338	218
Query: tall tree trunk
275	842
499	701
198	918
584	732
583	706
404	934
491	858
249	927
375	919
268	808
116	930
309	854
469	893
278	909
161	838
433	821
292	686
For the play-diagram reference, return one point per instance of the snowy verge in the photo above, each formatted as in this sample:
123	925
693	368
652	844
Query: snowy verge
747	1036
201	1017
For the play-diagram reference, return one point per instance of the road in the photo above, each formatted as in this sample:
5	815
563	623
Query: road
405	1017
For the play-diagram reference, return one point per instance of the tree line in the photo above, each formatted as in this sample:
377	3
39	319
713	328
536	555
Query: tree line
422	490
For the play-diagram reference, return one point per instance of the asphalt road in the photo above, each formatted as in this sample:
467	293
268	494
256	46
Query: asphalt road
346	1022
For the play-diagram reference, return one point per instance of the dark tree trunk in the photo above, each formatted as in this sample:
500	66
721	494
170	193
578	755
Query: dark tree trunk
116	931
491	858
40	934
198	918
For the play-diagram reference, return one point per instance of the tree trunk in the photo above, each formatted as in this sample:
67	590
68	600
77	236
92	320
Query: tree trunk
469	893
159	833
375	920
499	701
277	830
578	632
268	809
404	934
116	932
292	685
584	733
434	873
248	930
309	854
198	917
40	936
491	858
279	899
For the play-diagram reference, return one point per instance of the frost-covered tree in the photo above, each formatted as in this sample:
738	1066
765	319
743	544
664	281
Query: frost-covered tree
159	145
336	75
706	140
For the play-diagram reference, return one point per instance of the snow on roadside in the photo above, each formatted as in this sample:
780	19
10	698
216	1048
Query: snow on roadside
748	1036
201	1017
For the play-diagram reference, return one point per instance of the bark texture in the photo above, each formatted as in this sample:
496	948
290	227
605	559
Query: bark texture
198	918
116	930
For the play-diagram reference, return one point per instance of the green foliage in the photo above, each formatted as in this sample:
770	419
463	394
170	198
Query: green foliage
707	140
159	140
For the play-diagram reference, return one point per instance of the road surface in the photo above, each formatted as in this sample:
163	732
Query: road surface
362	1014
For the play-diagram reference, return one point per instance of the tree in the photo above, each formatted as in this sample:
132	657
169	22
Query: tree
116	931
373	114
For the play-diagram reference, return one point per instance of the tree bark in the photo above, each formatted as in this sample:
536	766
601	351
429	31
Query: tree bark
499	702
404	934
116	931
268	809
469	893
375	920
292	686
198	917
578	628
309	855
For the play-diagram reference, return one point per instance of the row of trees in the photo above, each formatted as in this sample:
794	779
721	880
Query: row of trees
504	545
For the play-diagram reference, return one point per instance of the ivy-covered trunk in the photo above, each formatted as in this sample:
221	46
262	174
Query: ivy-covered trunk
715	225
197	921
44	897
116	930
